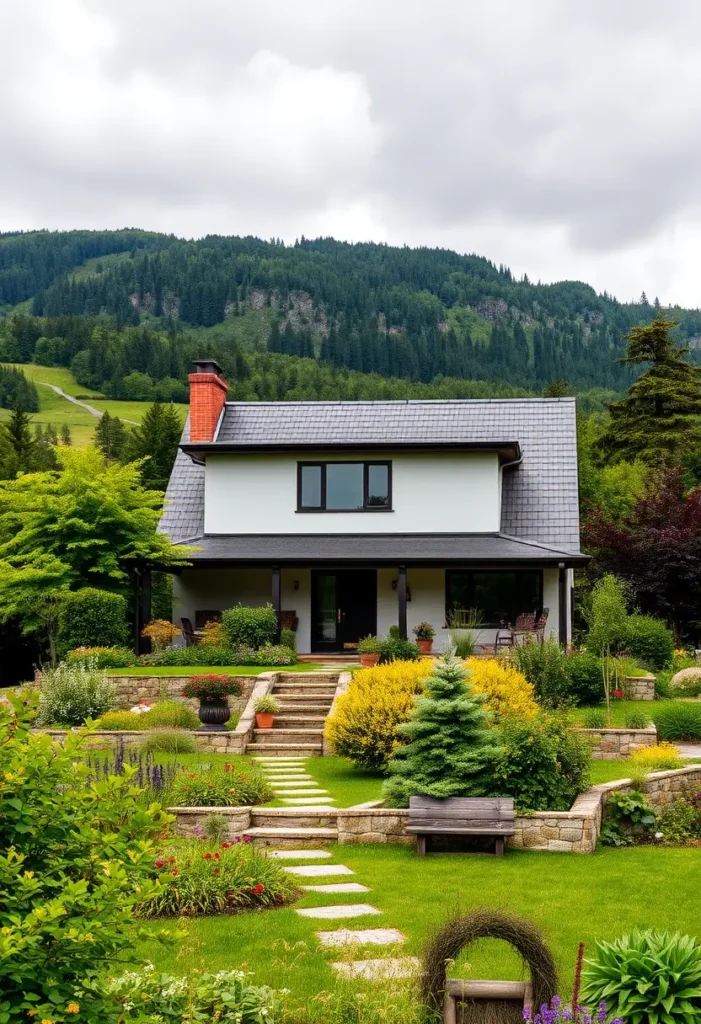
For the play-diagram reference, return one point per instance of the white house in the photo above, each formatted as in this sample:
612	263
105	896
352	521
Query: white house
351	517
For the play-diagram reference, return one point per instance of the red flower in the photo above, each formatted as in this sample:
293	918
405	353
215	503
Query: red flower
208	856
257	889
159	863
216	871
618	693
216	856
174	872
225	846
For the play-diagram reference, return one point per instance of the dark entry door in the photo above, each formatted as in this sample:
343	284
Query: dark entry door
344	608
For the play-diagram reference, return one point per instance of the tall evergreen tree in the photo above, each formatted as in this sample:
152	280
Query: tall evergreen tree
156	440
451	751
110	436
19	435
66	438
659	415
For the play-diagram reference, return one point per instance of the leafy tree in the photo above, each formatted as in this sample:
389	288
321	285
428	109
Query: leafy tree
451	751
76	857
90	523
156	442
607	626
659	415
110	436
656	549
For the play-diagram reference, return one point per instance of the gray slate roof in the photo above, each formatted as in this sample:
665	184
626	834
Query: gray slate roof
540	497
378	548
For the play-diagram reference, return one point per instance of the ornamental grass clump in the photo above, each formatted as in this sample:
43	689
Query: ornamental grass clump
219	786
647	977
200	878
451	751
71	694
678	720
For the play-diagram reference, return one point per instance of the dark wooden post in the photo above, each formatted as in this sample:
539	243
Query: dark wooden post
142	611
402	598
562	602
277	600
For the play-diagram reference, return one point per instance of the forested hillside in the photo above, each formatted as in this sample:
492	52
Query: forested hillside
127	310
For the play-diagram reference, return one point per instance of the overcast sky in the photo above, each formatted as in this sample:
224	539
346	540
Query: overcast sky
561	138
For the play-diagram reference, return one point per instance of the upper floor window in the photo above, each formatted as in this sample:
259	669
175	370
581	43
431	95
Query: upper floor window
344	486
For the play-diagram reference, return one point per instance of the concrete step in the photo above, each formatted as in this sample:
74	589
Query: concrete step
279	735
290	721
309	677
292	838
316	708
295	686
286	749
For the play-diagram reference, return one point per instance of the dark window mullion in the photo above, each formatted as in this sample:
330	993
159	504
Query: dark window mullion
366	484
323	486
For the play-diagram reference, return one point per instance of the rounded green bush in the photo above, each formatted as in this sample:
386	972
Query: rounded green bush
121	721
93	618
649	641
249	627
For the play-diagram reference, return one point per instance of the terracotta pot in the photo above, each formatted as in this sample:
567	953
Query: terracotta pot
424	646
264	719
369	660
214	714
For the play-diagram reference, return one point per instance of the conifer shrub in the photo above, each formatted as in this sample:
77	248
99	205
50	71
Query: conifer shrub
363	725
450	749
93	618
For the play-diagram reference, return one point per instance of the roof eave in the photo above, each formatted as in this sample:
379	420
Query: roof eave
507	449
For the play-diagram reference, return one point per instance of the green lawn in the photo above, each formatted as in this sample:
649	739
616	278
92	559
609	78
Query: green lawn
572	898
209	670
57	410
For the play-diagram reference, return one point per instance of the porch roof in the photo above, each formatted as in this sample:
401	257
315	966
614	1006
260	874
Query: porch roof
437	549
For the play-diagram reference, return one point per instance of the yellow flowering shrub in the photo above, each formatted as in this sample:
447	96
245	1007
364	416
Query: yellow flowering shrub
362	726
659	758
507	691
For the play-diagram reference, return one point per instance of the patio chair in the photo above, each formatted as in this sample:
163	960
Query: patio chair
190	636
524	628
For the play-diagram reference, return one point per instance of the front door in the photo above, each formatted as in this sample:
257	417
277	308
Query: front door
344	608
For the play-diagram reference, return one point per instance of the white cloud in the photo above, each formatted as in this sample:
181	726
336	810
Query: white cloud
557	138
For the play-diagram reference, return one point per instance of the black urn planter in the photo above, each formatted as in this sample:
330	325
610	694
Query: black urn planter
214	714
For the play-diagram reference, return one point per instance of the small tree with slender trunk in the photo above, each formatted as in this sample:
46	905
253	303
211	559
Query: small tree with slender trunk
607	627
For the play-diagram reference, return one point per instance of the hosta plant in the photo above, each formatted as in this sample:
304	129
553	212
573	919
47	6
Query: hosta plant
647	977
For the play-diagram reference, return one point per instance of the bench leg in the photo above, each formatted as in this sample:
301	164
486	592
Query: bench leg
421	846
499	846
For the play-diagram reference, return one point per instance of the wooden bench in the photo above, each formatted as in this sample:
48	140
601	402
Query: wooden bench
461	816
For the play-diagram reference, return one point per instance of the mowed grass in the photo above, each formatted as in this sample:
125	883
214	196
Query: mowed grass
211	670
572	898
55	409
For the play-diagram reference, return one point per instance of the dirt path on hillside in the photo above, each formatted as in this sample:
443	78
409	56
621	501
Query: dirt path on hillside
76	401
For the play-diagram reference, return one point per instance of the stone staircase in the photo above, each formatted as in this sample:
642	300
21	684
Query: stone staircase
293	828
305	700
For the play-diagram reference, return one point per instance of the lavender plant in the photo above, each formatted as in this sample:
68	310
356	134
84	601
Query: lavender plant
152	778
557	1013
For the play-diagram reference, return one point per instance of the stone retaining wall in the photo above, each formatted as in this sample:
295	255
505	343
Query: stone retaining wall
227	742
573	831
130	690
639	687
610	744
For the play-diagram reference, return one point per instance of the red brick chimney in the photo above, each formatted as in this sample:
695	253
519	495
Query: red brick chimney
207	397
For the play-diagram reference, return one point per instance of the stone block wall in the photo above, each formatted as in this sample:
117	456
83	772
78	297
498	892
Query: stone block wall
376	825
227	742
610	744
639	687
130	690
238	818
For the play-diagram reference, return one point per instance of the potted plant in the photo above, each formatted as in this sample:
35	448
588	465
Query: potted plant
424	634
266	708
369	649
212	693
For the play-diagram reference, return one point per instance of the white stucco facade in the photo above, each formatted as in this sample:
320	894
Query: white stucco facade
218	589
432	492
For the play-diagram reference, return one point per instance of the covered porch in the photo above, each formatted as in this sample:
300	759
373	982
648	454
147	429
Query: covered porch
334	590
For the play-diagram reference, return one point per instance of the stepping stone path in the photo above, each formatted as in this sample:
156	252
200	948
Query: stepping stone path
292	784
379	969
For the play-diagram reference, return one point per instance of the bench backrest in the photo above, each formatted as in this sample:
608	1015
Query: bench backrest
462	811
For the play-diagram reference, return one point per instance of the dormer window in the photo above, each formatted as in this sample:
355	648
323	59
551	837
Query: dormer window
344	486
